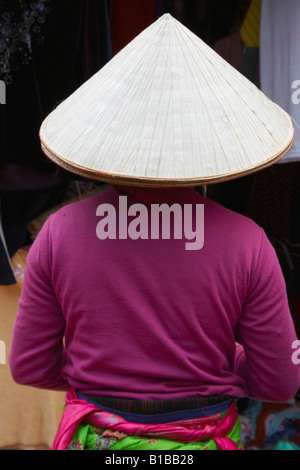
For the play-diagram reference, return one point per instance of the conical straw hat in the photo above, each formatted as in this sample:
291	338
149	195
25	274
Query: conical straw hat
167	110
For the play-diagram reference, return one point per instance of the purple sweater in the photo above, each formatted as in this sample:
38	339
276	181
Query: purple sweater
149	319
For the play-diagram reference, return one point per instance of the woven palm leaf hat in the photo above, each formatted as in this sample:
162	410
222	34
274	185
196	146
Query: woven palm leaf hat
166	111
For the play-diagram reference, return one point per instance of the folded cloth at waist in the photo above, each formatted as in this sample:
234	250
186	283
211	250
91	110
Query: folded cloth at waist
173	409
151	407
88	426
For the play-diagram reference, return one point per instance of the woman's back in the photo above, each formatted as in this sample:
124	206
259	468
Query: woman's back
148	318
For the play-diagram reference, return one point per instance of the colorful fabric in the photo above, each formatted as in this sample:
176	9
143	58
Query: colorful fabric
85	426
280	67
270	423
250	29
126	23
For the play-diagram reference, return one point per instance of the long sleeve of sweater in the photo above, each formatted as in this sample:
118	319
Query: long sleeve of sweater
266	333
37	354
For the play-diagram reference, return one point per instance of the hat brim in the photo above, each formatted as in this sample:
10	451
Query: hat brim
142	181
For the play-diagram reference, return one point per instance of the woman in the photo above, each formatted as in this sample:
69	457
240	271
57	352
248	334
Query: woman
156	325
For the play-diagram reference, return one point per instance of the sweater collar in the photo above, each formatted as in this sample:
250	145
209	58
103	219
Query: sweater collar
151	195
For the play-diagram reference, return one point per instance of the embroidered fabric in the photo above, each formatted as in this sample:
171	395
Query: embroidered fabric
21	24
